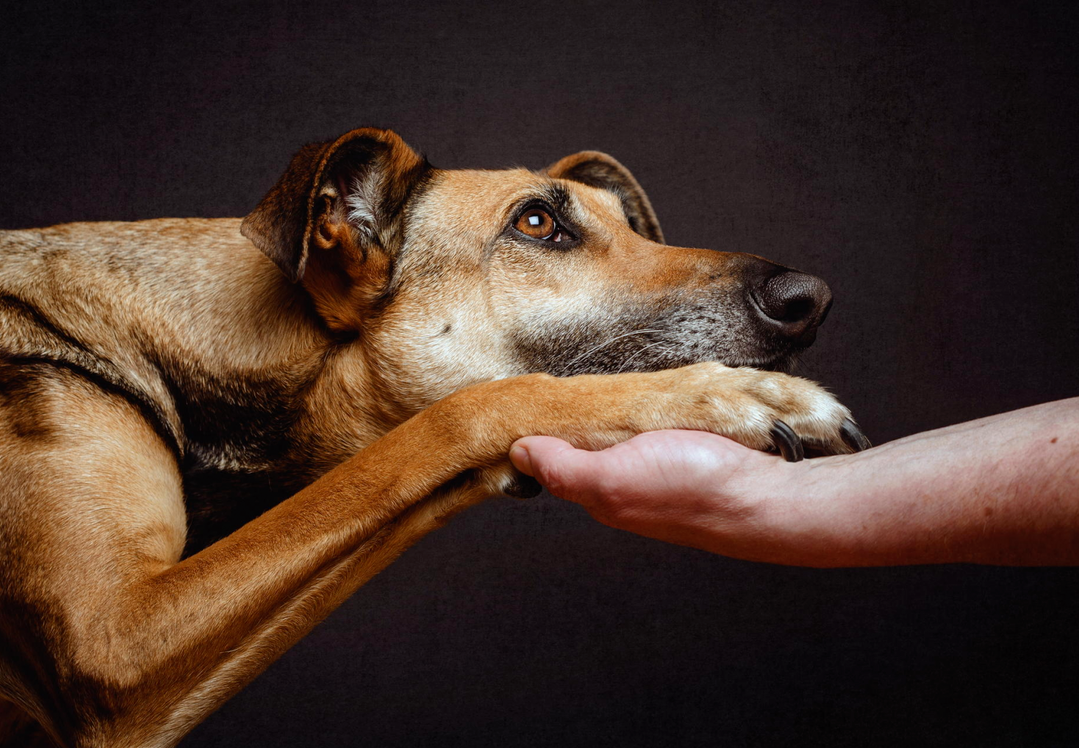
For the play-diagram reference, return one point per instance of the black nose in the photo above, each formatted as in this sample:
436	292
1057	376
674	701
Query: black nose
792	304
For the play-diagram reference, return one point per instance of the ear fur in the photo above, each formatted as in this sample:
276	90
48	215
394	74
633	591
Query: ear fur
600	170
372	170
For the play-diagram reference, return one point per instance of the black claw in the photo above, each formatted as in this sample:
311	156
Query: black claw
523	487
853	436
790	446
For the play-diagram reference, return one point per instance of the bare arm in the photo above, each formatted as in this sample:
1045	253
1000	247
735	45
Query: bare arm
1000	490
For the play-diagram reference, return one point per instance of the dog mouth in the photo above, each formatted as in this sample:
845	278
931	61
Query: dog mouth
782	363
782	358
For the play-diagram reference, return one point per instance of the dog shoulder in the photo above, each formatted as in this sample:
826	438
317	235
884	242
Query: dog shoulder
92	297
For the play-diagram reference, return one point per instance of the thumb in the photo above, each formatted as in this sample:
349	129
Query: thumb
562	469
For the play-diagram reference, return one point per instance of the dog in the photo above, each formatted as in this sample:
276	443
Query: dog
214	431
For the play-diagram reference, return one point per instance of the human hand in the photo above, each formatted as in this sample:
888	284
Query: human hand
692	488
999	490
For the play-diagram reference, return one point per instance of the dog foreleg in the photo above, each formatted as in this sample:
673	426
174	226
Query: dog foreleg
119	643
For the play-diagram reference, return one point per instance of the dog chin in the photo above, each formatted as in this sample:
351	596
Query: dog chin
784	363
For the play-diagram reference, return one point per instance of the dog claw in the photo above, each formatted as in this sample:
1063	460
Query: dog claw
853	436
788	443
523	487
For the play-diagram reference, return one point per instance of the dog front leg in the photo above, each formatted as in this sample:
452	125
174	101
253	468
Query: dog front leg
142	650
455	454
106	638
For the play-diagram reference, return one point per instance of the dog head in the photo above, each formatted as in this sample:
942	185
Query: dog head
455	277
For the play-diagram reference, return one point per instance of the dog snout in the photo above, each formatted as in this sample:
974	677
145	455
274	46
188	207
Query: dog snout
791	304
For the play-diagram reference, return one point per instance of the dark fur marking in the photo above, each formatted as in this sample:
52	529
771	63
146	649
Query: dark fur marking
594	176
220	501
246	421
240	457
38	319
70	353
237	457
22	390
153	415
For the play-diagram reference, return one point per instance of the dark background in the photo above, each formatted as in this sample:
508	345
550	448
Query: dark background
920	157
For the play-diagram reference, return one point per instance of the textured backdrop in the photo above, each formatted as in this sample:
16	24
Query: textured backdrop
920	157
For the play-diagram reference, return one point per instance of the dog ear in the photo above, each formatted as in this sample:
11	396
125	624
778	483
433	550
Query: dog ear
357	183
600	170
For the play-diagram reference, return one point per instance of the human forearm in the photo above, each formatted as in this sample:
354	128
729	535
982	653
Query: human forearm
1000	490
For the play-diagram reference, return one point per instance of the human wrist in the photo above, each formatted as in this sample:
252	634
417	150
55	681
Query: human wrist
804	513
897	504
776	518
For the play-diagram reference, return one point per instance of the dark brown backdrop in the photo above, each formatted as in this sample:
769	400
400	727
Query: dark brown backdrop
921	157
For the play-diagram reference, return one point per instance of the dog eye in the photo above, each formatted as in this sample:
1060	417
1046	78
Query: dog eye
539	224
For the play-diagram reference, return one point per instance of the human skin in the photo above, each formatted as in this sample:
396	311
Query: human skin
999	490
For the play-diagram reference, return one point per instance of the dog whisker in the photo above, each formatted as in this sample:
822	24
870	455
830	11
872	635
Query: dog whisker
568	366
638	353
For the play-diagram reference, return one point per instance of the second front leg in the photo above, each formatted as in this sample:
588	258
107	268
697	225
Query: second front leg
177	639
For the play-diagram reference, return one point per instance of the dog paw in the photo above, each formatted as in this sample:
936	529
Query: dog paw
770	411
792	447
503	479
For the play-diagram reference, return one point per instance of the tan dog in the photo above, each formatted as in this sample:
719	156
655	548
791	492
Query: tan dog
202	453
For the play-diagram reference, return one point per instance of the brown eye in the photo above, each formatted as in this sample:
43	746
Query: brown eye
536	223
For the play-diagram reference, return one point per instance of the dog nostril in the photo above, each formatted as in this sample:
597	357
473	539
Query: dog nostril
794	310
793	304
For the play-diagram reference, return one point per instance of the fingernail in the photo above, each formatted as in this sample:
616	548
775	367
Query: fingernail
521	460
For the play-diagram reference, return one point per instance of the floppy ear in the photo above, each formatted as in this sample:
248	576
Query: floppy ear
349	191
600	170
